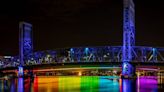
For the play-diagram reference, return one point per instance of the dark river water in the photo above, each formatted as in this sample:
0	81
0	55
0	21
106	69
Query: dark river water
82	84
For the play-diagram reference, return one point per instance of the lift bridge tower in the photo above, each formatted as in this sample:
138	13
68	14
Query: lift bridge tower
128	69
25	44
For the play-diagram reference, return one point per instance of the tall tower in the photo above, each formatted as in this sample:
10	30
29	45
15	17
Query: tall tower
128	37
25	41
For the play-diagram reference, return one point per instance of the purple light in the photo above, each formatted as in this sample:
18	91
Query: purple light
147	84
20	85
128	85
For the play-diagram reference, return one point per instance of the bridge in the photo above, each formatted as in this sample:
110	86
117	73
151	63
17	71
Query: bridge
110	54
104	57
128	55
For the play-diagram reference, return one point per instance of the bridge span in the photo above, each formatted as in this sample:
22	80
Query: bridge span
110	54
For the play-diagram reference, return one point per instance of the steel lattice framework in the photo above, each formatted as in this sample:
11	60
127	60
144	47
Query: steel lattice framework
128	37
128	30
88	54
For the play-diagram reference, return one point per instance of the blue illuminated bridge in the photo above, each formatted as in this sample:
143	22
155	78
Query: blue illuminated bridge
105	55
128	55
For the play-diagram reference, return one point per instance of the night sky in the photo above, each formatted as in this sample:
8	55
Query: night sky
74	23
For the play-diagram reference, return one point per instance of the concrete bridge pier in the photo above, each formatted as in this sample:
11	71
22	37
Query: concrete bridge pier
20	71
128	70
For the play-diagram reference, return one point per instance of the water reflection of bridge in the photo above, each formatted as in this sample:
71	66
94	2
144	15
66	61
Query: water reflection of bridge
81	84
128	53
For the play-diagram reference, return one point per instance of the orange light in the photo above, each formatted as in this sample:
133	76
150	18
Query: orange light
80	73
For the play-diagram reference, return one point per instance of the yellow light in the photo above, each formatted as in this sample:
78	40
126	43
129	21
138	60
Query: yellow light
66	84
49	83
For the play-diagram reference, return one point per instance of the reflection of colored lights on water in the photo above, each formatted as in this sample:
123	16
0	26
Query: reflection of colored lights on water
128	85
46	84
13	88
89	84
35	84
76	84
20	85
138	82
81	84
120	85
27	85
147	84
108	84
69	84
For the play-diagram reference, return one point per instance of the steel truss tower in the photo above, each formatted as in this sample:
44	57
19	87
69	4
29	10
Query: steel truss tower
25	41
128	37
25	45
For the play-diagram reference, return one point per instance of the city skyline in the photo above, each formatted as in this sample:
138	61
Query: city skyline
85	23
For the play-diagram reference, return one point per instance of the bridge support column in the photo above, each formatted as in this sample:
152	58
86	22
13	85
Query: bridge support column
128	70
20	71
